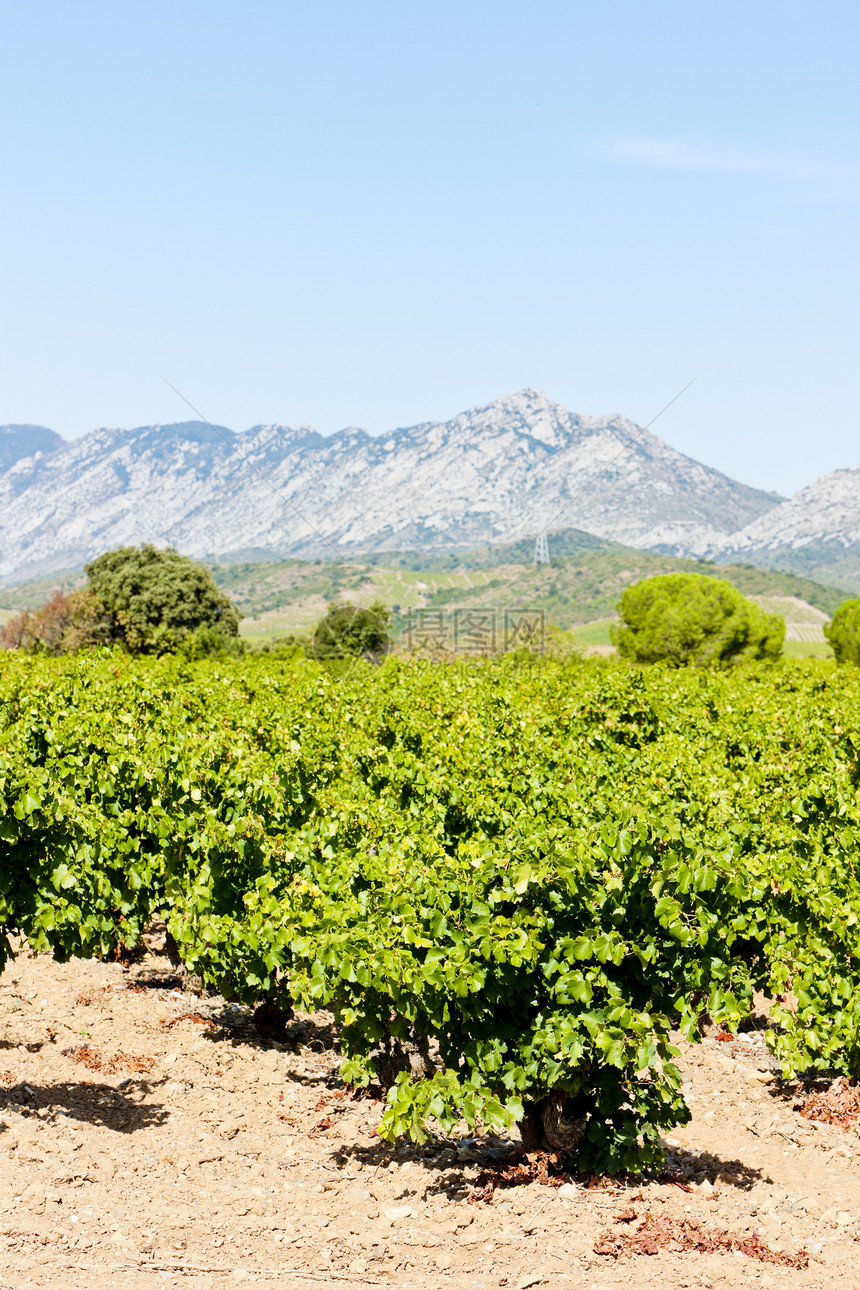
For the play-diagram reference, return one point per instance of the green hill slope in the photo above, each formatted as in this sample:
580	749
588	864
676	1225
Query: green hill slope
581	585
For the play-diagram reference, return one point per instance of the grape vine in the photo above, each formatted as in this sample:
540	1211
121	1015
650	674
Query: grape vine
543	866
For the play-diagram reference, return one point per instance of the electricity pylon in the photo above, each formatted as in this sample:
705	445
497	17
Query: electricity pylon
542	549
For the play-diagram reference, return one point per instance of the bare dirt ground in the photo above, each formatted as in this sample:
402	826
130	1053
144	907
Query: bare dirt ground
149	1137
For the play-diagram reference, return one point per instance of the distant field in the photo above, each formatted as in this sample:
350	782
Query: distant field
292	596
592	634
807	649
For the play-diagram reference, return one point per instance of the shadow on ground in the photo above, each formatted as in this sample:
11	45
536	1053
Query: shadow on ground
123	1110
503	1164
685	1167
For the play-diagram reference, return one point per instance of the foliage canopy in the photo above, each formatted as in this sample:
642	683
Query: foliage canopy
843	632
690	619
545	868
149	601
349	631
157	597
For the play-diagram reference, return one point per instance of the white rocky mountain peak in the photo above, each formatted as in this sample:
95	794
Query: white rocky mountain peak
493	473
816	532
828	507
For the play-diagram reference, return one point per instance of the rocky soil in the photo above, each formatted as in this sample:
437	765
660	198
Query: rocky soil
149	1137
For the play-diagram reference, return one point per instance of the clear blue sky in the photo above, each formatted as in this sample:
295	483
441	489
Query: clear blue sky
383	213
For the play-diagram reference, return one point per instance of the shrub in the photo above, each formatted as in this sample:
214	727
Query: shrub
348	631
844	632
158	597
208	642
687	618
64	623
284	647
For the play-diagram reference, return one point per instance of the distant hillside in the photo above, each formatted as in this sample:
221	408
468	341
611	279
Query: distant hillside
589	572
815	533
440	491
582	583
575	589
486	475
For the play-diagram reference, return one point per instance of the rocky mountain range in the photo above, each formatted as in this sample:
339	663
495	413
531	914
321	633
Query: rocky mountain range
492	474
815	533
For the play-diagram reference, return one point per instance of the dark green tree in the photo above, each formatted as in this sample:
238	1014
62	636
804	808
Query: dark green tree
349	631
690	619
158	598
844	632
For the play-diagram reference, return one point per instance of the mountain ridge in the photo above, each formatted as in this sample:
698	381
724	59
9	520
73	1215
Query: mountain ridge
490	475
817	531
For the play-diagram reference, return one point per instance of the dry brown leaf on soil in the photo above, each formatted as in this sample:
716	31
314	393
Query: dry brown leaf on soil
84	1055
670	1179
689	1236
196	1017
536	1166
603	1182
839	1105
321	1126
